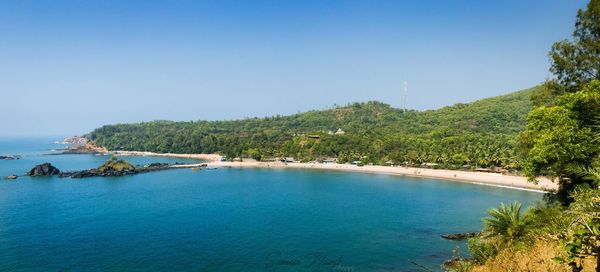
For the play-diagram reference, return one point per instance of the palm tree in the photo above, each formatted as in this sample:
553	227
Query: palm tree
506	223
587	173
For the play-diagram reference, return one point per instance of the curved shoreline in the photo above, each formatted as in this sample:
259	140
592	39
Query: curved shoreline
487	179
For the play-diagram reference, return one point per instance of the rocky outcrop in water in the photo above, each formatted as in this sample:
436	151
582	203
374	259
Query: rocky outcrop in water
116	168
460	236
156	164
12	177
97	173
44	169
8	158
111	168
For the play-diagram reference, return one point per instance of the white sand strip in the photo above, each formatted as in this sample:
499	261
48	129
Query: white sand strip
490	179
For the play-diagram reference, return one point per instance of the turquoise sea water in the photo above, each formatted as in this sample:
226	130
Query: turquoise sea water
229	219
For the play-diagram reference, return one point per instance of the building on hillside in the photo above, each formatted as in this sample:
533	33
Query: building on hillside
486	170
330	160
340	132
429	164
288	159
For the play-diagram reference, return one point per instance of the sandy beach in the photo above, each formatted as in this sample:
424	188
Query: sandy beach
490	179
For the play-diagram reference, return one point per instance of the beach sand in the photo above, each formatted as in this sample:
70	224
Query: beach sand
489	179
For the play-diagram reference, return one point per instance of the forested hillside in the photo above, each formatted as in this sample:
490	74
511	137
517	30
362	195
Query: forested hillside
482	133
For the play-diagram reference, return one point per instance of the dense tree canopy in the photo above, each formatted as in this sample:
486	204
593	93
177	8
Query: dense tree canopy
560	135
562	138
481	133
577	62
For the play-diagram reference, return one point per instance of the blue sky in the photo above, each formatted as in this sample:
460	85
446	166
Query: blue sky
67	67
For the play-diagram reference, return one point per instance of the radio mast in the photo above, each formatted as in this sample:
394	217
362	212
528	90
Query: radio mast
405	93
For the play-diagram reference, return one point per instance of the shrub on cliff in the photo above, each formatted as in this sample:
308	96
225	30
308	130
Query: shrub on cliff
117	165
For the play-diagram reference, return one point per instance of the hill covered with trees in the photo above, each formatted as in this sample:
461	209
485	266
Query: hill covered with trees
482	133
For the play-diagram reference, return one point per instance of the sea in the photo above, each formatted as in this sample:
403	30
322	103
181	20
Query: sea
229	219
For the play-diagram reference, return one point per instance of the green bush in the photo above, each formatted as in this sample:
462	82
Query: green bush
481	249
507	224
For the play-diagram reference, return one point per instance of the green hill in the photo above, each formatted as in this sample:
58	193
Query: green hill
481	133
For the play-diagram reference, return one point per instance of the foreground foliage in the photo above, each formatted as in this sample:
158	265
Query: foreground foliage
506	223
584	232
537	257
562	138
544	238
561	141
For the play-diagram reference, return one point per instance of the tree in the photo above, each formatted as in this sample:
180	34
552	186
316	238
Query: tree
577	62
460	159
253	153
562	137
506	223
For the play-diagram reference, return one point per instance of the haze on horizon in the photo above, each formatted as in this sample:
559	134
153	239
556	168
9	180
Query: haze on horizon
70	66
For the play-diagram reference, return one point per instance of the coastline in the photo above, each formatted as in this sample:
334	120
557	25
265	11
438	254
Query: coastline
487	179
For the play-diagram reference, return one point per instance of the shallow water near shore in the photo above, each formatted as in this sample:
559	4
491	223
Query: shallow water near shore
229	219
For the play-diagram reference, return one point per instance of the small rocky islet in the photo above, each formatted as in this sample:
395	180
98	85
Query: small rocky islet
113	167
44	169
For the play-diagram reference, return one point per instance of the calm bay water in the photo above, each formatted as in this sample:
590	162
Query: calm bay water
229	219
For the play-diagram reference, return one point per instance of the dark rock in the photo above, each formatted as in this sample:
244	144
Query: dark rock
44	169
116	168
78	149
12	177
156	164
7	158
460	236
78	174
98	173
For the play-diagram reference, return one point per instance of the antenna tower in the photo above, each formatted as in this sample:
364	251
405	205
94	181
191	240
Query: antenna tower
405	93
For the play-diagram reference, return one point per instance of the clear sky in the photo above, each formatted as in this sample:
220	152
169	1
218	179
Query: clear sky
67	67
